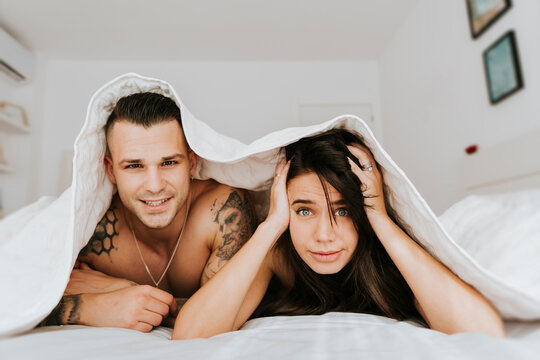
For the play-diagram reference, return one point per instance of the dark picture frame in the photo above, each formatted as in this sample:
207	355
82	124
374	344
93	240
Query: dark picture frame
483	13
502	68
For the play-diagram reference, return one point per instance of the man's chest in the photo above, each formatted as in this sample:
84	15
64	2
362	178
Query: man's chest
125	260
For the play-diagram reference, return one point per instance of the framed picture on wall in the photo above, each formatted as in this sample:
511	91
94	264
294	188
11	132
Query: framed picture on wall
483	13
501	64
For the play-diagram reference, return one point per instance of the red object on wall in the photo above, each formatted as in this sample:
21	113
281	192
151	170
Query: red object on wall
471	149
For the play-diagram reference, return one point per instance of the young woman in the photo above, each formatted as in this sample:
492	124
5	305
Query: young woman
331	243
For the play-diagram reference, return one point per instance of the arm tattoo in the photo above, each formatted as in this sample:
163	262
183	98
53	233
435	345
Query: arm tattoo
236	224
102	240
66	312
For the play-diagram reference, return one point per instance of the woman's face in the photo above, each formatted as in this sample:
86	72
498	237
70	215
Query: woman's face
326	247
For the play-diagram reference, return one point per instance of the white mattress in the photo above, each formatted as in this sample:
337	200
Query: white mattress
330	336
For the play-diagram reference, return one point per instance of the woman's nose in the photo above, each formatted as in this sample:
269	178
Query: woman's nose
325	229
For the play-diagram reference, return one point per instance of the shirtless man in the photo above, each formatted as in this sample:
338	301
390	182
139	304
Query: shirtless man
164	234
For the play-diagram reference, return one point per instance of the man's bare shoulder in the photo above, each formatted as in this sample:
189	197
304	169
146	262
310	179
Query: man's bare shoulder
213	196
104	240
232	219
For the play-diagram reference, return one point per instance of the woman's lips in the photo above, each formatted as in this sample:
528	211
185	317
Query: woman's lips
326	256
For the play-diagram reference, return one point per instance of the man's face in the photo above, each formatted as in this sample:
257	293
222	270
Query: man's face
151	168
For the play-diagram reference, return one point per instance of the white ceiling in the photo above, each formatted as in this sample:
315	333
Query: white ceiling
205	29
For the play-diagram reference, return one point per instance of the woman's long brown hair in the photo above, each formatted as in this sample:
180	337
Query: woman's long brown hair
370	282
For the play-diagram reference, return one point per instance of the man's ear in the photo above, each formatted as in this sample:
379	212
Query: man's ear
193	159
109	168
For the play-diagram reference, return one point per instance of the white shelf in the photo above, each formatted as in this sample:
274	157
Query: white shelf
5	169
8	125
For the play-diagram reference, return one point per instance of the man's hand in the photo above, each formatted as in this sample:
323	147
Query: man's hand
138	307
87	280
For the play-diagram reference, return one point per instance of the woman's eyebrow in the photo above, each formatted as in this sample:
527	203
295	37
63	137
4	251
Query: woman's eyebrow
309	202
301	201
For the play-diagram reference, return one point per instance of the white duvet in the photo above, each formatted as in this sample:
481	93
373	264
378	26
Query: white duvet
39	244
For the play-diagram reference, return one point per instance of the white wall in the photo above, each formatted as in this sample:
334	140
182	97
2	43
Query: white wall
434	95
244	100
22	150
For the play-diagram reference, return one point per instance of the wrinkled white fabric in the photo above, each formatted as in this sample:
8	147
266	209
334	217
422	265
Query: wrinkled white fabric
331	336
502	233
40	243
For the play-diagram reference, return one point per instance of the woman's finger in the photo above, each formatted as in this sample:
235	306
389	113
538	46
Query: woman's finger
279	167
284	170
280	175
363	155
355	168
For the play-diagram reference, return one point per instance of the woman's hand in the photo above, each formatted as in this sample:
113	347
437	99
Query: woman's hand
87	280
371	179
279	212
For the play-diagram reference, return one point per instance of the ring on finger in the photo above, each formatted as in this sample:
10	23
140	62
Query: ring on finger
367	167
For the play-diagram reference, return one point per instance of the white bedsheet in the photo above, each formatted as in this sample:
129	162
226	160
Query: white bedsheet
39	244
329	336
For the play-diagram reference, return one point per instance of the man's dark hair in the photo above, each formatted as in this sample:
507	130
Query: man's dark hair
145	109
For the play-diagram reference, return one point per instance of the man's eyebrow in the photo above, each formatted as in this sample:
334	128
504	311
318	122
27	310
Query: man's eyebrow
165	158
175	156
131	161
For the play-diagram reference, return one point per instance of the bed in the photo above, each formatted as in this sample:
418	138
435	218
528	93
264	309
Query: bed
511	282
329	336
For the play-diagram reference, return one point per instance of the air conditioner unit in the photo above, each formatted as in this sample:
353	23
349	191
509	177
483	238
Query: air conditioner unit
15	61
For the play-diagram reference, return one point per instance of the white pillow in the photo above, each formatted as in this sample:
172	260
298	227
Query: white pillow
501	232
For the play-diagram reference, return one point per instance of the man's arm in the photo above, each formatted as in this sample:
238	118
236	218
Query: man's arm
138	307
66	312
96	299
236	222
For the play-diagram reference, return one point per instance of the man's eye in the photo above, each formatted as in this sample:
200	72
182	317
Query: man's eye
342	212
169	163
303	212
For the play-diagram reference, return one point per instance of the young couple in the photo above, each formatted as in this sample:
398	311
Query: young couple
173	250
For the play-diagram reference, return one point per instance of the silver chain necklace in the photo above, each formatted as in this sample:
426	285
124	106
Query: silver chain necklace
172	256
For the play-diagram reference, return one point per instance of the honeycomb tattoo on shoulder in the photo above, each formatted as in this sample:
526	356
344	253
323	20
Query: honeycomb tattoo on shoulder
102	239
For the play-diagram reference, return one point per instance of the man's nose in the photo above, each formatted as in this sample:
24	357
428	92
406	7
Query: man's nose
154	181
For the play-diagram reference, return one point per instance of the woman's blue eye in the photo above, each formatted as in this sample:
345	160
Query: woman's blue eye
133	166
169	163
303	212
342	212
